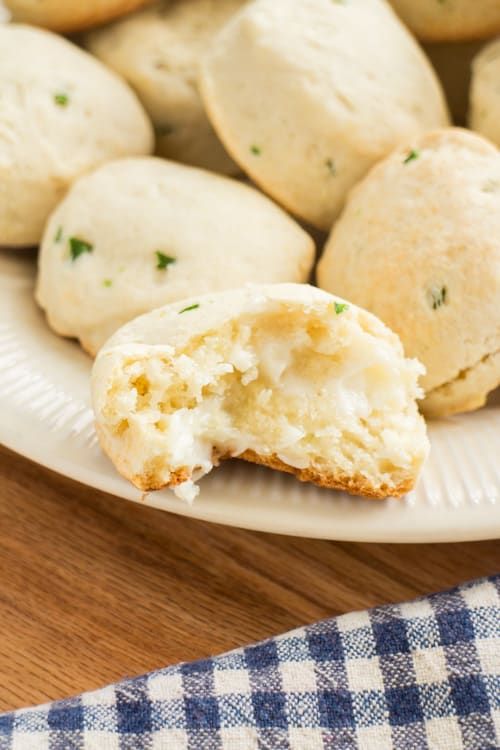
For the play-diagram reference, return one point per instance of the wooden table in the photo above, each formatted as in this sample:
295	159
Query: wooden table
94	588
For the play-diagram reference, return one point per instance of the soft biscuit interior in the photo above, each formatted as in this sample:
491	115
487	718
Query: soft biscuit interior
314	389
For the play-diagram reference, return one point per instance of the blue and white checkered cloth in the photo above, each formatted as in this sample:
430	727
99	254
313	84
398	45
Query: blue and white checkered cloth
425	674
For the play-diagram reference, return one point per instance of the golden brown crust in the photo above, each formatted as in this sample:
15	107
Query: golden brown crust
354	485
148	482
57	18
436	34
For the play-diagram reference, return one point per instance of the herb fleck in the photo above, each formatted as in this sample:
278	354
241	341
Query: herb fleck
256	150
437	296
58	235
162	260
62	100
107	282
412	155
190	307
340	307
77	247
330	165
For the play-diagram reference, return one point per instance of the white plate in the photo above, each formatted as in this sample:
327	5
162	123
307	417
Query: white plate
45	415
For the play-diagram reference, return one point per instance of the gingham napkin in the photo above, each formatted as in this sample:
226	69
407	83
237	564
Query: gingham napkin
425	674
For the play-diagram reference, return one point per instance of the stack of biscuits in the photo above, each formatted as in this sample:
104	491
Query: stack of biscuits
183	165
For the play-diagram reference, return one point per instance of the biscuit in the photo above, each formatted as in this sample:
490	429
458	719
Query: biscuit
284	375
450	20
306	96
139	233
484	103
418	244
158	51
62	114
69	15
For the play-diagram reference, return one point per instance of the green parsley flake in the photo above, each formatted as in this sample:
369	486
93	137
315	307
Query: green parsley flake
330	165
162	260
256	150
190	307
107	282
58	234
340	307
437	296
77	247
412	155
62	100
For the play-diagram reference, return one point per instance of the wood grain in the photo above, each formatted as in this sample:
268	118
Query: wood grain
93	588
